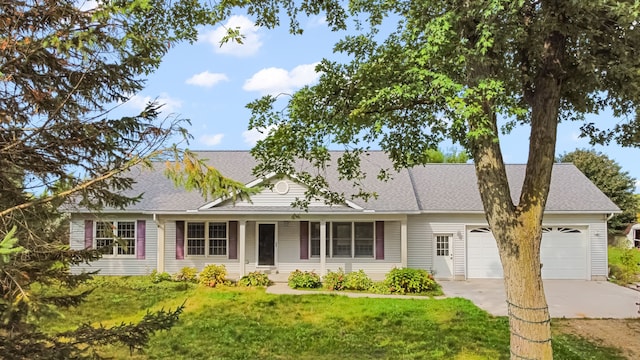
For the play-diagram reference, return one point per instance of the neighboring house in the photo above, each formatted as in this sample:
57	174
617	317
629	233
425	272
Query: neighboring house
633	235
428	217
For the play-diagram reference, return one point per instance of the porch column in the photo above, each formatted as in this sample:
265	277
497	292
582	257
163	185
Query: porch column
323	247
403	242
160	245
241	248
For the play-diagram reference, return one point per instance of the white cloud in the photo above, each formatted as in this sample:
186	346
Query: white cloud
274	81
252	136
211	140
317	21
206	79
170	105
251	42
638	186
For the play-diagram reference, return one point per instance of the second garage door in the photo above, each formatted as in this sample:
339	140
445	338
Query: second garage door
563	253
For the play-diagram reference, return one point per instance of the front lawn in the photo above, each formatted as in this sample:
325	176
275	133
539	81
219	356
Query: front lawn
247	323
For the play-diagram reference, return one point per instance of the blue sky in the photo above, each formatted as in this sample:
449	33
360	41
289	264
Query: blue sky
211	85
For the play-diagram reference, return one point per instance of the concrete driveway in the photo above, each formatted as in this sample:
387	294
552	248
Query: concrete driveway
566	298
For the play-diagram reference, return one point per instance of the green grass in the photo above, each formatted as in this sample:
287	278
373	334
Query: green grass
241	323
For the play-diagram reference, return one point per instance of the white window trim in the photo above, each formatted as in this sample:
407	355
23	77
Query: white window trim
329	238
114	248
449	243
206	241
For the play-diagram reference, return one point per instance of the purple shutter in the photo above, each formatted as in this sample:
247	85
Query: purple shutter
233	239
379	240
179	240
88	234
304	240
141	233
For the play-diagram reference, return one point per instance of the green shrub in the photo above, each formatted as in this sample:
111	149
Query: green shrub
357	280
213	275
410	281
334	280
623	265
157	277
304	280
186	274
255	278
379	287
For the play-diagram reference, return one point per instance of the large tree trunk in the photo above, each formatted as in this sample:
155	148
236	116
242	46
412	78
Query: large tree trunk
518	228
529	320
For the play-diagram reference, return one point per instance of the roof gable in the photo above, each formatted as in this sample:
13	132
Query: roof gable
280	193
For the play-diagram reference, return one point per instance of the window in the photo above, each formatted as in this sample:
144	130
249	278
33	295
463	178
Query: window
364	239
212	242
314	237
344	239
195	239
567	230
442	245
116	237
217	239
341	238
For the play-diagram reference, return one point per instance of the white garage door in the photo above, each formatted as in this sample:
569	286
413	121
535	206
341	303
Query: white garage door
563	253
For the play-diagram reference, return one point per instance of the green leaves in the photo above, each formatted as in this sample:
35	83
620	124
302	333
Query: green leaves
9	246
192	173
610	178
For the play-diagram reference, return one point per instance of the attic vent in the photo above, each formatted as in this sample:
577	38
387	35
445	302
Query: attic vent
281	187
546	229
482	230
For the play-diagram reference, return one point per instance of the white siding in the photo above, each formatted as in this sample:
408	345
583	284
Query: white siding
598	250
270	197
288	241
117	265
250	245
453	225
419	244
289	250
391	241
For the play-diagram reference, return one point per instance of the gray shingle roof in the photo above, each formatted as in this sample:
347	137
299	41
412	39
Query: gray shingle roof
435	187
453	187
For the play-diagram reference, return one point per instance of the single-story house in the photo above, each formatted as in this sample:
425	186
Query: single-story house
428	217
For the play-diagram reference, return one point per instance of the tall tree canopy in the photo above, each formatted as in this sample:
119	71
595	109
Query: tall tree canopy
465	71
62	68
609	177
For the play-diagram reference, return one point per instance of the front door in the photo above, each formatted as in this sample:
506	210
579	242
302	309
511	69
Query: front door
443	257
266	244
